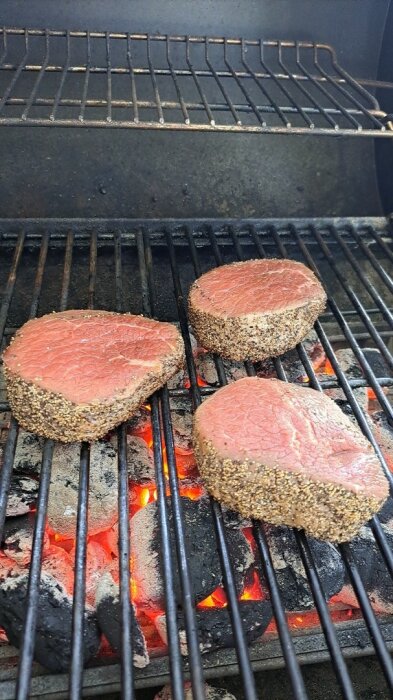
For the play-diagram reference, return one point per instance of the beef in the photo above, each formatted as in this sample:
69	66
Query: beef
75	375
255	309
289	455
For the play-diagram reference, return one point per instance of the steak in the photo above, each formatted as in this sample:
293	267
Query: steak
288	454
255	309
74	375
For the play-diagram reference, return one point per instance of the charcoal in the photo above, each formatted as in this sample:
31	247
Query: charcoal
377	362
28	454
18	538
234	520
181	415
140	420
109	620
64	488
53	641
140	460
373	571
341	399
211	693
22	495
96	562
202	550
348	363
291	362
179	380
291	577
215	629
206	369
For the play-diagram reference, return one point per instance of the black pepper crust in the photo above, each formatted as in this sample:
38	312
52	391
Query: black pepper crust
254	336
51	415
324	510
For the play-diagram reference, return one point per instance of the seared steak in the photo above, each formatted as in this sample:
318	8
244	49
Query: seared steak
75	375
289	455
255	309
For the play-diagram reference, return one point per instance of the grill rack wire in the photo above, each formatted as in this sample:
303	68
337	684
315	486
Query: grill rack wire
122	80
174	239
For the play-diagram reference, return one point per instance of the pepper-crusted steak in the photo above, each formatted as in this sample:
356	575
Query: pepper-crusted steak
255	309
288	454
74	375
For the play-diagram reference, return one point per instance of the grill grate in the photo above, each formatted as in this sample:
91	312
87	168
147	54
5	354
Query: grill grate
79	78
147	267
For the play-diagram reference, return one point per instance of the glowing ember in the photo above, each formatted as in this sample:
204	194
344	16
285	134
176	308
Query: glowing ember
141	495
217	599
192	492
200	382
328	368
145	432
253	591
185	462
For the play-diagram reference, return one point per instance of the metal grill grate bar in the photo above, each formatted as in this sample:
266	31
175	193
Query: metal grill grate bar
228	84
199	244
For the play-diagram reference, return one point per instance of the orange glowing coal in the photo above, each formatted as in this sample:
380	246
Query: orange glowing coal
192	492
145	432
218	599
253	590
141	495
328	368
200	382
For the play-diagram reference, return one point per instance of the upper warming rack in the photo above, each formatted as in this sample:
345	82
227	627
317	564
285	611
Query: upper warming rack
104	79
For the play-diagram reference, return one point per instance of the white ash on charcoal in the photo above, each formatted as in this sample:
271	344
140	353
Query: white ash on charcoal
140	460
179	380
181	416
291	362
96	562
53	639
22	495
211	693
215	630
28	454
373	571
64	488
139	422
201	544
291	576
353	370
339	396
18	538
348	363
206	368
109	619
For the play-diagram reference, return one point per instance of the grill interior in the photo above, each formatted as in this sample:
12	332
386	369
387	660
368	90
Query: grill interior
79	78
147	267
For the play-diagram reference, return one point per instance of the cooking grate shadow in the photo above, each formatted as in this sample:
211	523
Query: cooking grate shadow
184	250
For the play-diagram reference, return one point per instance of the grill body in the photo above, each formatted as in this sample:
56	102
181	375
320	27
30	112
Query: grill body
126	218
196	175
146	266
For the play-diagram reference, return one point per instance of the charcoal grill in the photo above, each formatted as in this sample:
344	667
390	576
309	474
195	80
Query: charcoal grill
136	90
121	264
